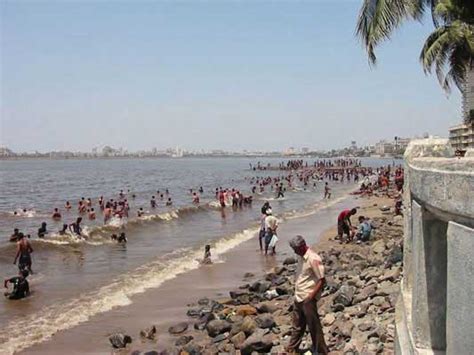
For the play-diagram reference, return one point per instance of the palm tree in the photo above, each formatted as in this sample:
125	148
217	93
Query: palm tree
449	49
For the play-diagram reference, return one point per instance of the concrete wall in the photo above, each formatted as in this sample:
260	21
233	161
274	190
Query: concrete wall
434	312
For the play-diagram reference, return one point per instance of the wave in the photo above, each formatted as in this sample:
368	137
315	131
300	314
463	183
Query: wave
35	328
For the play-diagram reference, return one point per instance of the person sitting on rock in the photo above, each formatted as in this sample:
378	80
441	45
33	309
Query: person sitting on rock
364	230
309	282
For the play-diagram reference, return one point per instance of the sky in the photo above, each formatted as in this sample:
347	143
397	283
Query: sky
234	75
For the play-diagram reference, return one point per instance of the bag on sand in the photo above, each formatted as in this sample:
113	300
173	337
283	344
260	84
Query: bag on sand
273	241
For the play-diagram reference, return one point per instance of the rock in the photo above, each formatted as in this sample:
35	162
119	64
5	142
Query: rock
278	270
120	340
217	326
193	313
337	307
344	295
248	326
178	328
391	275
362	310
193	349
248	275
363	327
148	333
238	340
237	294
378	301
183	340
289	261
345	329
260	286
243	299
220	337
265	321
258	342
202	322
387	288
329	319
271	294
282	290
366	292
267	307
246	310
204	301
378	247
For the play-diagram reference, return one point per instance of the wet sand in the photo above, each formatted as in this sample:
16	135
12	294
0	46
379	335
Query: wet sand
167	305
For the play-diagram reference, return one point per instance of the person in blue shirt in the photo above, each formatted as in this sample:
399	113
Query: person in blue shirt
364	230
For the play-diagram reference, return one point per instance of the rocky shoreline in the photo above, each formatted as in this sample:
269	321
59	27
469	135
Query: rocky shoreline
357	307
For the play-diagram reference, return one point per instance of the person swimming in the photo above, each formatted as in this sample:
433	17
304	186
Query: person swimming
42	230
140	212
75	227
119	239
169	202
92	214
207	255
15	236
23	254
56	215
153	202
64	230
68	205
21	288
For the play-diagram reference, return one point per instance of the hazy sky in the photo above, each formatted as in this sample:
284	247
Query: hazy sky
208	74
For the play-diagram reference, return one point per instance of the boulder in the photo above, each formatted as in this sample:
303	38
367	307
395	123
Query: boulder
178	328
387	288
329	319
120	340
248	275
217	326
366	292
183	340
378	247
259	342
148	333
192	349
391	275
344	295
238	293
202	322
267	307
220	337
238	339
204	301
260	286
248	326
290	261
246	310
265	321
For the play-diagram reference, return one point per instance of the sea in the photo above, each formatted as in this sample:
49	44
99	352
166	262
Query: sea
76	279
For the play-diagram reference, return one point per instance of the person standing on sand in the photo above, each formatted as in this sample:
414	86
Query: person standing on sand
327	191
309	282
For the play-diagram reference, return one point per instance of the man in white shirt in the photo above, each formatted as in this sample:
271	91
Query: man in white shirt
271	225
309	282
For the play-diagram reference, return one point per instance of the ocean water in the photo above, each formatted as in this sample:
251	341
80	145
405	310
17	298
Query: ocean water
77	279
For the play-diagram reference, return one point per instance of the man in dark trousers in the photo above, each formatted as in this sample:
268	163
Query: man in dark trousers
309	282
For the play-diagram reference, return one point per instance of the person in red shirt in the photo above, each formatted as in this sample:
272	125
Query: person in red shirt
344	225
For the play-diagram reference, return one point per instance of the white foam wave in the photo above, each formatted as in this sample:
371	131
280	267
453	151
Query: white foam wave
35	328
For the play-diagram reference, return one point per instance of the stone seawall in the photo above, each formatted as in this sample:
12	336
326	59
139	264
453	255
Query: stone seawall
434	311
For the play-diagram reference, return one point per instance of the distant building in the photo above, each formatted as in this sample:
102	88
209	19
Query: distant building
384	147
461	136
305	150
5	152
